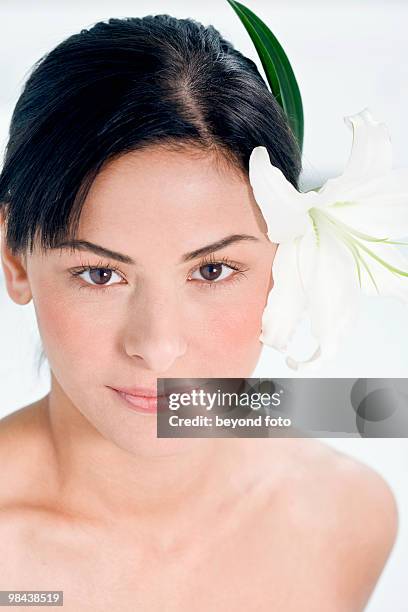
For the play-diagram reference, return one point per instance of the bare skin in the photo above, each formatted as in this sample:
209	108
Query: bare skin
92	502
313	531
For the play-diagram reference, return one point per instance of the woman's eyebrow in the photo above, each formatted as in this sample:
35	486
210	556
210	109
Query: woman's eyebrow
85	245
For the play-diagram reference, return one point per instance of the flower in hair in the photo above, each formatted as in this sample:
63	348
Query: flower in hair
335	242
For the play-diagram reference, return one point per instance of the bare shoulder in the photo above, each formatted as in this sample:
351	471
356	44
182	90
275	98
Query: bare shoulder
25	428
367	517
350	512
359	494
24	448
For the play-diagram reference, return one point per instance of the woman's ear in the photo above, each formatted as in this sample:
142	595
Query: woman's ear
14	267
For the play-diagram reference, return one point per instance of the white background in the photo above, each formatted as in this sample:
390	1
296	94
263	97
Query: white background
346	56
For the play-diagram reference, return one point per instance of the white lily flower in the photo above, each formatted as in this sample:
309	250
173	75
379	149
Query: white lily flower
335	242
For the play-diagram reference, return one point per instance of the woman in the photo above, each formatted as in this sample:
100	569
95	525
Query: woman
133	138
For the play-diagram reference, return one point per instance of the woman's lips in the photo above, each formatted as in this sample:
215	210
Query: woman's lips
138	391
140	403
148	404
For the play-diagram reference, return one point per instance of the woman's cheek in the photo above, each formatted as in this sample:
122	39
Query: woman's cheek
68	331
232	335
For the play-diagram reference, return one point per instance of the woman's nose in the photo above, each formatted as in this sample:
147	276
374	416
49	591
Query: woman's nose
156	334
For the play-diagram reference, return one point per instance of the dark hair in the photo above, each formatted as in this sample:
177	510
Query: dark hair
123	85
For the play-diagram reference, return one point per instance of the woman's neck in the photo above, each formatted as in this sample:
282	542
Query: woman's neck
100	481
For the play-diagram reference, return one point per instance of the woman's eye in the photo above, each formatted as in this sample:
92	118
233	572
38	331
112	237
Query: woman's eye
97	276
213	271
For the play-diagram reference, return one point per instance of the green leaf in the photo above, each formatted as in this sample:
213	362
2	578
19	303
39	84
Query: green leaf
277	68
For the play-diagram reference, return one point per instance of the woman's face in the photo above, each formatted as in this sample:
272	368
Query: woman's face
163	314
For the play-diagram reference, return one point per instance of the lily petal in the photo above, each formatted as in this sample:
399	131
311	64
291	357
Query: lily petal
284	208
378	207
388	283
286	300
326	258
370	157
333	293
330	293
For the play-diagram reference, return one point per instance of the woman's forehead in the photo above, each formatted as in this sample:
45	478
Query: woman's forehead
159	171
165	187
